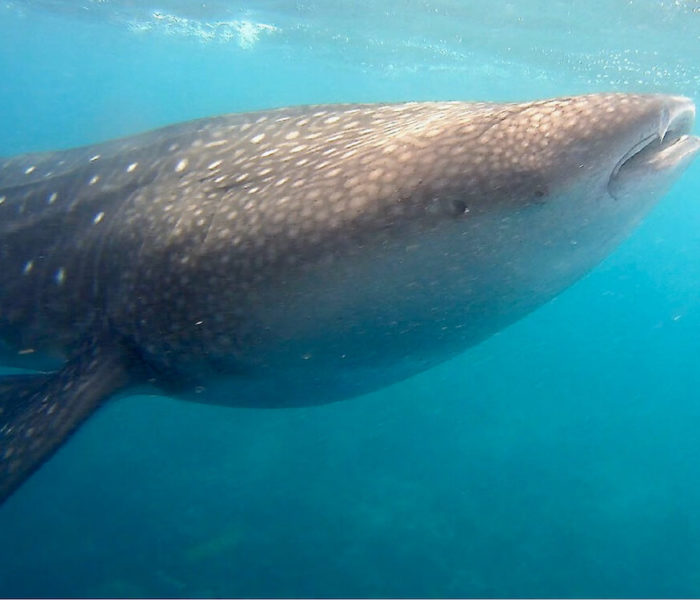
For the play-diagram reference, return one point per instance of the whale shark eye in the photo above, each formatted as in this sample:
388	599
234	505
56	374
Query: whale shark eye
458	207
453	207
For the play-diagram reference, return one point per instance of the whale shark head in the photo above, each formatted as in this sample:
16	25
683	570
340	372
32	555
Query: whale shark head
548	188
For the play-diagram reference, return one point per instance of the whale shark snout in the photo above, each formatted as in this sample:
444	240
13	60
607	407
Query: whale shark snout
661	148
305	255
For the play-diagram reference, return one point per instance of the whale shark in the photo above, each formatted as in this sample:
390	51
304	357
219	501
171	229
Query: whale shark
305	255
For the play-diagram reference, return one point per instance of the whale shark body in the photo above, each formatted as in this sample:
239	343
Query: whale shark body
305	255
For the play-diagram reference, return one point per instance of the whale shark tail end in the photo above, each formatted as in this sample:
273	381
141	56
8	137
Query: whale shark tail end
38	412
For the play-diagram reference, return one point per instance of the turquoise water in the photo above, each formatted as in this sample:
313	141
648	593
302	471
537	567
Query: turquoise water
559	458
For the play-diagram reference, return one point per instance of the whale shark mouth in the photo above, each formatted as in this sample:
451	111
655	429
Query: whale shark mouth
670	146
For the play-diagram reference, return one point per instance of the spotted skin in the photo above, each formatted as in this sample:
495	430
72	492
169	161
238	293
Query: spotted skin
304	255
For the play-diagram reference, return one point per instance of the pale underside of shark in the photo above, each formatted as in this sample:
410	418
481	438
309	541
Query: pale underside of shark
304	255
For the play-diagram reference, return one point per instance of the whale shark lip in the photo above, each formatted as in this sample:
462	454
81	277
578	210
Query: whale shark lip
665	148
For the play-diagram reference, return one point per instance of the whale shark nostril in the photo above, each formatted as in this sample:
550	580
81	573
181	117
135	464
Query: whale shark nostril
678	118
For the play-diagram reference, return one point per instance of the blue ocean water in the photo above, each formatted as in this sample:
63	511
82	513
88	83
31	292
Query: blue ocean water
559	458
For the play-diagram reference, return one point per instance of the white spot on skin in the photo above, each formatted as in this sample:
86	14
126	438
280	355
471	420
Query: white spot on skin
132	167
60	276
2	199
269	152
292	135
28	266
258	138
241	177
52	198
29	170
94	158
181	165
94	180
215	165
98	217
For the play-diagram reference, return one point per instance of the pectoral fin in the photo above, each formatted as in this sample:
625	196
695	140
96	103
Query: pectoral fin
39	412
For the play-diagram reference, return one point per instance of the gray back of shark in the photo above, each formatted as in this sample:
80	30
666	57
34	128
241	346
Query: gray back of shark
305	255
